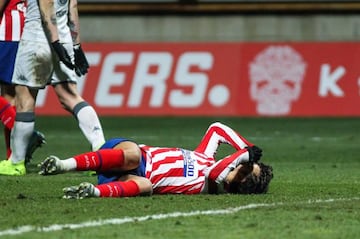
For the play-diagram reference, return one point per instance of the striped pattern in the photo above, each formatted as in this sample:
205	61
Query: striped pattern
12	21
175	170
166	168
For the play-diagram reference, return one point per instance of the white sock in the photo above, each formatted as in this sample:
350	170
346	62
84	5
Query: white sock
20	136
68	164
96	192
90	125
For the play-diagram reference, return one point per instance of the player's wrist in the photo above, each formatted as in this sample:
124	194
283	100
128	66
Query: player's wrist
77	46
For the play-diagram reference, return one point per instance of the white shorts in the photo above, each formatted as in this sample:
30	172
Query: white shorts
36	65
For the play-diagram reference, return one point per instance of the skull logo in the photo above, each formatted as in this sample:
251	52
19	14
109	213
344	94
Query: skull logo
276	75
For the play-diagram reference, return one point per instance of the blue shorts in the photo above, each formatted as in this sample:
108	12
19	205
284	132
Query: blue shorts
7	59
106	177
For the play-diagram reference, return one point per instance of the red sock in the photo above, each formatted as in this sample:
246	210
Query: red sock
119	189
7	113
7	117
7	133
101	160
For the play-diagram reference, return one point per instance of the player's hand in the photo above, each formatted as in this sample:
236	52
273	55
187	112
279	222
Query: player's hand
81	63
255	153
62	54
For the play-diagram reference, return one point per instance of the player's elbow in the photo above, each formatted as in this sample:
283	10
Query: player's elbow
216	124
133	157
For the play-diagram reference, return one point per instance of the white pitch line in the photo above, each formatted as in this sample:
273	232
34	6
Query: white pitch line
119	221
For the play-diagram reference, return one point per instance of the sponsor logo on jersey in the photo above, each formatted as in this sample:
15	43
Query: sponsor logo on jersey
190	169
61	13
62	2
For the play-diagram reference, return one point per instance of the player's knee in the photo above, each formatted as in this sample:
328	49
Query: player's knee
132	156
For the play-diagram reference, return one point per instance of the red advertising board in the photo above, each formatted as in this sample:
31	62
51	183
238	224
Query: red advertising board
222	79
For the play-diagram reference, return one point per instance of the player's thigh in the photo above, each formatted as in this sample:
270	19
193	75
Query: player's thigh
62	73
33	64
132	153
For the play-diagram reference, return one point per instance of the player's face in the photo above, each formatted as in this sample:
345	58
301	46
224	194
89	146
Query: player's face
241	172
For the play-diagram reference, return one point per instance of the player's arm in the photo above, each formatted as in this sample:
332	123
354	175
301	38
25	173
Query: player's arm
2	7
81	63
237	175
73	22
48	17
217	134
220	170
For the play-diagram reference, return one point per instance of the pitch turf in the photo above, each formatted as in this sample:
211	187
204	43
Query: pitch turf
315	192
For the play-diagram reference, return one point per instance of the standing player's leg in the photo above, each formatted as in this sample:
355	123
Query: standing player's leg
84	113
7	117
20	135
7	109
8	112
64	81
27	80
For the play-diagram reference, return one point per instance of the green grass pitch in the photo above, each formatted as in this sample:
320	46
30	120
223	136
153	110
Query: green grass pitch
315	192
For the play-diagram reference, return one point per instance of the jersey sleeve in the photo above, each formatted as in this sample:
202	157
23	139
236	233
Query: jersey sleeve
218	133
221	168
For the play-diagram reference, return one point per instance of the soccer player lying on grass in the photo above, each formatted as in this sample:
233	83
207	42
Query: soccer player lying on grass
127	169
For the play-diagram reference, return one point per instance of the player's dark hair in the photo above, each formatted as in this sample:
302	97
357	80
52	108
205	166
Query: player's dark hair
254	184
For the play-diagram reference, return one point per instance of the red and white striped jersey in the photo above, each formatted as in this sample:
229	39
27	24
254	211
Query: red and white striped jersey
176	170
12	21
